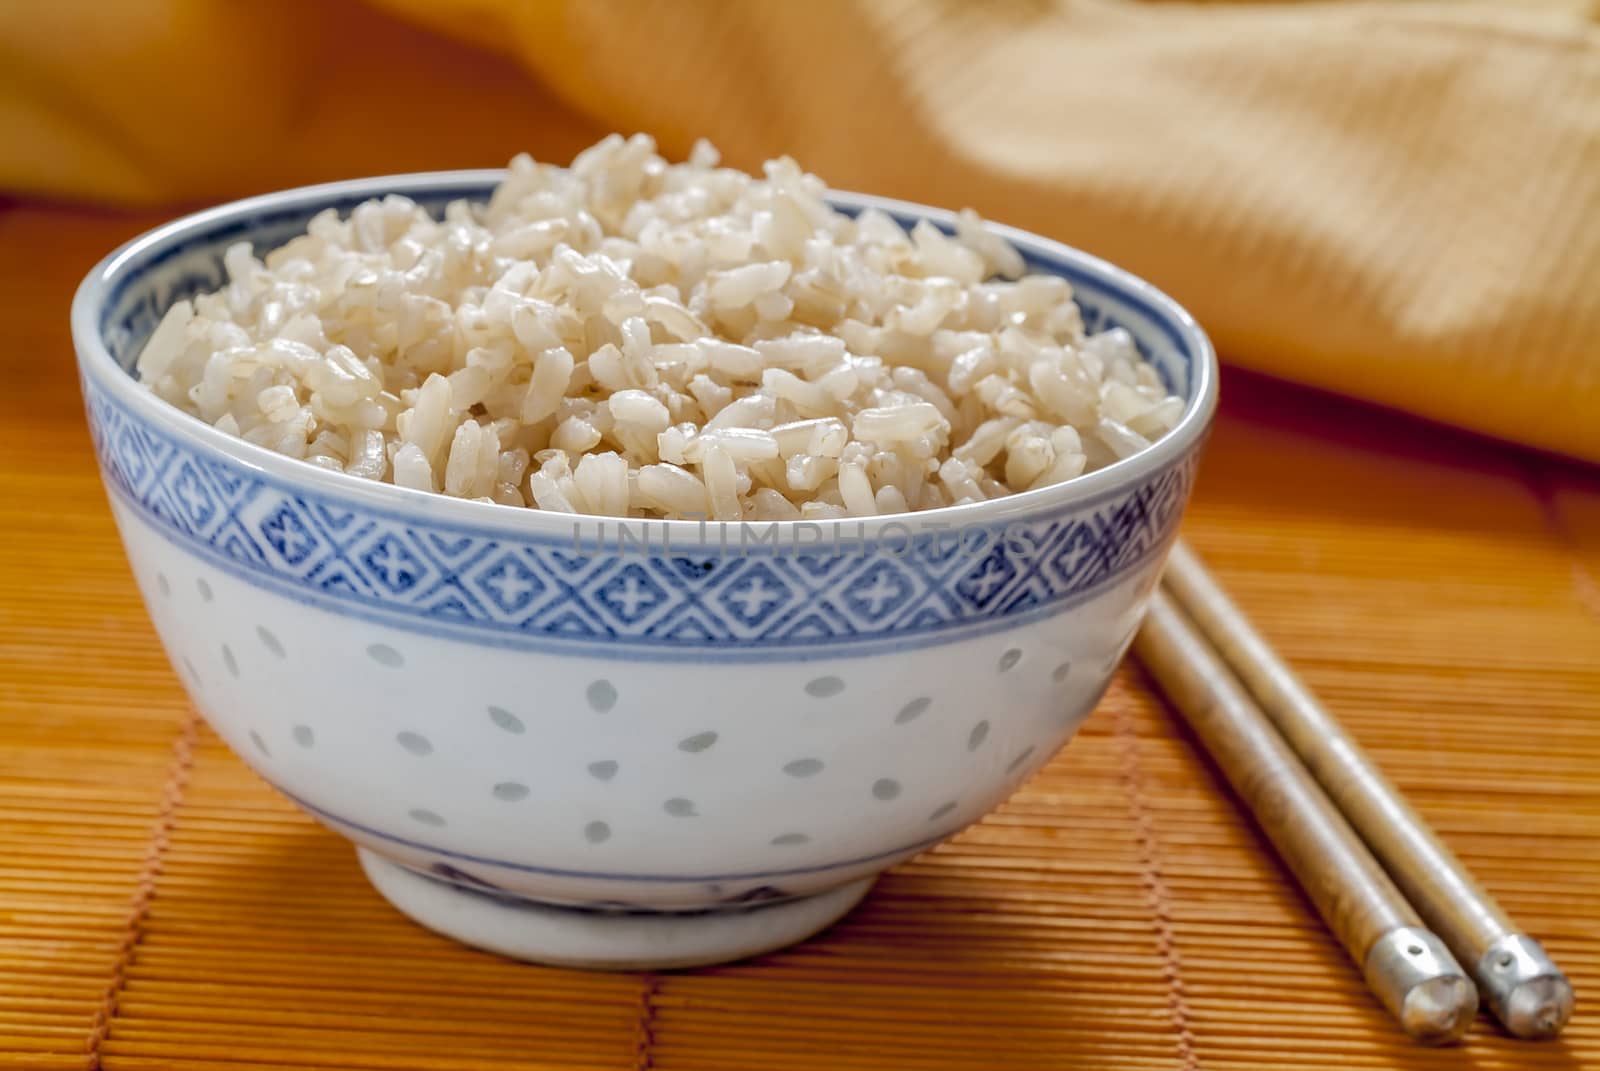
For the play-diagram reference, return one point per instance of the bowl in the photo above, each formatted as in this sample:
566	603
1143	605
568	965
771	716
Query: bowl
620	744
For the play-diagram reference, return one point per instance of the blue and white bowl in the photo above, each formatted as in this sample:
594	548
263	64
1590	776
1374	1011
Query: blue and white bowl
620	743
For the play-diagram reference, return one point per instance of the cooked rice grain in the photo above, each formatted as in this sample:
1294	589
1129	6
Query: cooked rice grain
627	337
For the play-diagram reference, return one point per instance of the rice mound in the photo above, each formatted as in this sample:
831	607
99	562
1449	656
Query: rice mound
628	337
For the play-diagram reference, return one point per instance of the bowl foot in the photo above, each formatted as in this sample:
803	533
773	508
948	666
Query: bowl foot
604	940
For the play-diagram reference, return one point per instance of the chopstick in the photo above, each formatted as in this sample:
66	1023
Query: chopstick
1406	966
1522	985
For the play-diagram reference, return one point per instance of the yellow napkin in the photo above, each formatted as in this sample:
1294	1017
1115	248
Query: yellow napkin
1396	200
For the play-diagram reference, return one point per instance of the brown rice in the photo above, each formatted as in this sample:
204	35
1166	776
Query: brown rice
628	337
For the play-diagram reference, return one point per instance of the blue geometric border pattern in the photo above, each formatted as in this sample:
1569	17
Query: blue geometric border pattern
535	591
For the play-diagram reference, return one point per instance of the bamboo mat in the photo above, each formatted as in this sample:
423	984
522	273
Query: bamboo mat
160	908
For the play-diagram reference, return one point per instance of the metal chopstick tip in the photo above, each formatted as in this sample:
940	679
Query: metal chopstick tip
1422	985
1524	988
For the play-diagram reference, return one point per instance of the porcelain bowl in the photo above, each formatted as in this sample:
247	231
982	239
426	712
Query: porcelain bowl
620	743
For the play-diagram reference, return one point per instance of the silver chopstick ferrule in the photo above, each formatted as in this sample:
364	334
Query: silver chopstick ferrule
1524	988
1421	984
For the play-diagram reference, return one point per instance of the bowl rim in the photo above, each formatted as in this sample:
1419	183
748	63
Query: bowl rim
95	360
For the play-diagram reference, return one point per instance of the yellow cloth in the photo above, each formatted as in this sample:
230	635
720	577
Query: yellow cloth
1396	200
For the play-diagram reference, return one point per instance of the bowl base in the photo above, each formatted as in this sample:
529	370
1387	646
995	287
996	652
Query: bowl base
601	940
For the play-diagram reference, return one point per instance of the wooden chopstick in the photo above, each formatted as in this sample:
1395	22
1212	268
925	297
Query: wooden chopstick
1523	987
1406	966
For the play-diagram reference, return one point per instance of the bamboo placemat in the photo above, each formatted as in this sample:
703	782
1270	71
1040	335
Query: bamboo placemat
161	908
